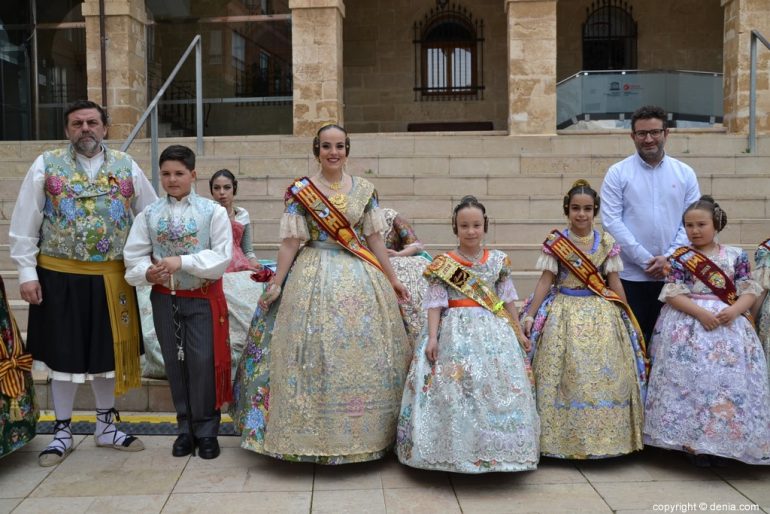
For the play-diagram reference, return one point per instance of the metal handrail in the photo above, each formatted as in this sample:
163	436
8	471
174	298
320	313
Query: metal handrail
152	109
755	36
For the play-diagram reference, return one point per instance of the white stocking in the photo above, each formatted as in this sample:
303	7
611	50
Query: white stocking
104	395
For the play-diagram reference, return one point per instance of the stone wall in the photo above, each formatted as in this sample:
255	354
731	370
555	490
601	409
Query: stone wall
379	67
680	34
126	57
741	17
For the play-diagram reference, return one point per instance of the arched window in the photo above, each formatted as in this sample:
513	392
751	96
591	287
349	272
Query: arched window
609	36
449	46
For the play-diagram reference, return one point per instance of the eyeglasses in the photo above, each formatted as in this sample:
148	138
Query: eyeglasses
655	133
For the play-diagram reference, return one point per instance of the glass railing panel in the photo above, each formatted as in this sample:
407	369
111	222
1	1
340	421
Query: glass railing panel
600	95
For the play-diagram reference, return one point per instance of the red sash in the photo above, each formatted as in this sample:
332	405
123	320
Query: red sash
583	268
766	244
331	219
221	332
707	271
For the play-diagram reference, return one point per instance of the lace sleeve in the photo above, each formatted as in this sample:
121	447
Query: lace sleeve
374	221
675	282
613	264
435	296
293	223
744	283
504	286
547	262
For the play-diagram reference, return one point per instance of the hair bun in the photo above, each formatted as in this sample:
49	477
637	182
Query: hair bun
468	199
707	198
581	182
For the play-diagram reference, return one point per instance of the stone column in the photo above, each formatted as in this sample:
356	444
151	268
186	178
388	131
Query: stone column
316	40
741	16
531	66
126	57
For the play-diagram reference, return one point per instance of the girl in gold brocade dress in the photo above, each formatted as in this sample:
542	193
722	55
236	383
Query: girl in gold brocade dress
321	377
588	364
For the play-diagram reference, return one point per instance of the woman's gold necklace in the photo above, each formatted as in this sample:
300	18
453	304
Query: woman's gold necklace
337	199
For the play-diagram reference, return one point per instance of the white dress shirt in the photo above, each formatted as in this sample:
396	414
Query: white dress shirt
209	263
642	207
27	217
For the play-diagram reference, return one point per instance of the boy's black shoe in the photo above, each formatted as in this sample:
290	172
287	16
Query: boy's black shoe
208	448
183	446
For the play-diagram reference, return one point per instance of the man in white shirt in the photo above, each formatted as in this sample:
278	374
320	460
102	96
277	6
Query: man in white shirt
643	199
67	232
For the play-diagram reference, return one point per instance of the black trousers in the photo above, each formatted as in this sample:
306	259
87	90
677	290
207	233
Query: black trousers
643	300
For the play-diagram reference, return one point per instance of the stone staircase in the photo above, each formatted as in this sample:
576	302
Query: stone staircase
520	179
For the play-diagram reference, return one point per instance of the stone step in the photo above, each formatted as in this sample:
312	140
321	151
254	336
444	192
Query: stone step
153	396
745	206
680	141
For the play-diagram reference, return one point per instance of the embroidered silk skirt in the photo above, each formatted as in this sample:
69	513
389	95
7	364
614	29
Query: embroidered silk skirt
321	377
474	410
708	390
588	393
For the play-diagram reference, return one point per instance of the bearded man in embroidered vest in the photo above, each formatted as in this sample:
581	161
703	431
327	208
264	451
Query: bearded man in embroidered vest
68	228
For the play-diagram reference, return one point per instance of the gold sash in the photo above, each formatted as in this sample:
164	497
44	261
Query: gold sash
584	269
124	314
331	219
463	280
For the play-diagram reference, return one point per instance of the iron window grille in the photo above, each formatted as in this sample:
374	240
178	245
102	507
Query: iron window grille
448	54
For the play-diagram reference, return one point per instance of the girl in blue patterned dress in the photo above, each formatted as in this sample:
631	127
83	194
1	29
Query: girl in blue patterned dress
708	393
469	404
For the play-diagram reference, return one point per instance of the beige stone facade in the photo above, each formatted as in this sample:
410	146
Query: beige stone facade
741	17
354	62
125	27
673	35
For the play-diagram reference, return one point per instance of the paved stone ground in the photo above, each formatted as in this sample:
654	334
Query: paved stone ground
101	480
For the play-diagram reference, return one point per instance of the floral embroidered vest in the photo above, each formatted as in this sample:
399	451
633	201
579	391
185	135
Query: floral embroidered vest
86	220
184	235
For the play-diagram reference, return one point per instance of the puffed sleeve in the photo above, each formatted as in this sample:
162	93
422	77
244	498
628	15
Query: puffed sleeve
744	283
436	295
374	218
504	285
761	272
546	261
613	263
675	282
293	222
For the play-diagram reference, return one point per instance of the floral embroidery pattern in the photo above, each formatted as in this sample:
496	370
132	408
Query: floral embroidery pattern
86	219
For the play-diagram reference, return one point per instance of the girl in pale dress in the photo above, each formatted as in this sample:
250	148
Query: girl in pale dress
708	393
321	377
589	362
469	404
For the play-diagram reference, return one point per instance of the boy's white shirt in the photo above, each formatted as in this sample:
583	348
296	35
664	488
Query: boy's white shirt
209	263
